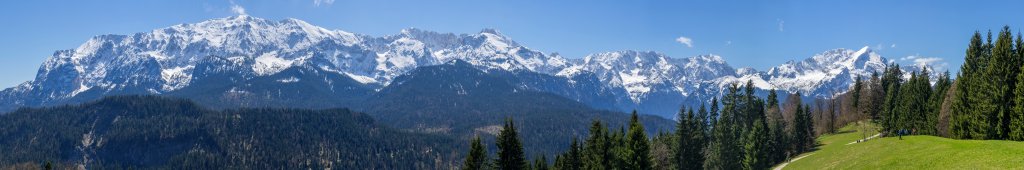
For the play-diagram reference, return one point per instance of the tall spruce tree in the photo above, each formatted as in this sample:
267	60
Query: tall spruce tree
477	158
855	96
540	162
510	148
1000	79
965	121
619	148
596	154
1017	115
803	130
890	107
639	155
754	145
714	112
571	159
777	126
724	151
689	149
876	97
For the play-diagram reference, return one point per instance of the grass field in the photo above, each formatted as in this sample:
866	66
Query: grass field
913	152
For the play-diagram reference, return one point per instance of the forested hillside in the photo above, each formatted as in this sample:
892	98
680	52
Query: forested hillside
142	132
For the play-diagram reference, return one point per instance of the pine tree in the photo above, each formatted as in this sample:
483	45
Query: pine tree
574	159
876	97
714	111
690	147
571	159
890	107
639	156
777	126
510	148
596	153
724	152
1017	115
855	96
755	150
803	130
1000	79
540	163
619	149
965	121
477	156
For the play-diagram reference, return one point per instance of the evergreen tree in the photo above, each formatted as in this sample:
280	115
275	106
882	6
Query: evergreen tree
714	111
891	81
477	156
965	121
1017	115
912	113
619	149
938	96
639	156
540	163
724	151
876	96
855	96
571	159
999	80
596	153
803	130
777	126
510	148
755	150
690	146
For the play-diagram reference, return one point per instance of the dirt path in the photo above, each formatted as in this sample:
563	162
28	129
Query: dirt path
865	139
783	165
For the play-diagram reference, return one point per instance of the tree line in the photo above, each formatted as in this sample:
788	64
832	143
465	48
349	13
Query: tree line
985	101
746	132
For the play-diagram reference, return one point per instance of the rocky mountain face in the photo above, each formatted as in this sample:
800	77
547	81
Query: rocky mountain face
249	61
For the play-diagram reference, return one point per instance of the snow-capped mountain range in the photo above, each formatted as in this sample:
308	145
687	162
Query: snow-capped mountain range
169	59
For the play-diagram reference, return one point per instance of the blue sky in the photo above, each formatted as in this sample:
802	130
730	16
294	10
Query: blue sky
757	34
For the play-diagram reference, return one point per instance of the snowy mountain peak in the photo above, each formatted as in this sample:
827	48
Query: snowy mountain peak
711	58
242	48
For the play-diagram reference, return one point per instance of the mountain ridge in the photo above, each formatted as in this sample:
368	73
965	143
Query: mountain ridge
169	59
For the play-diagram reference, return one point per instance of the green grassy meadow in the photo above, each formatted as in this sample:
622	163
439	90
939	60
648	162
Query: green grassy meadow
913	152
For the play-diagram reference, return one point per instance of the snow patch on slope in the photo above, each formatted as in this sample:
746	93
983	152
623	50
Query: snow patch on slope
361	79
176	78
269	63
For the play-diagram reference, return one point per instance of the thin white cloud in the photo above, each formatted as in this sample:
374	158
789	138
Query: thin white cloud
879	47
911	57
927	60
686	41
782	24
935	63
892	46
237	9
322	2
727	43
